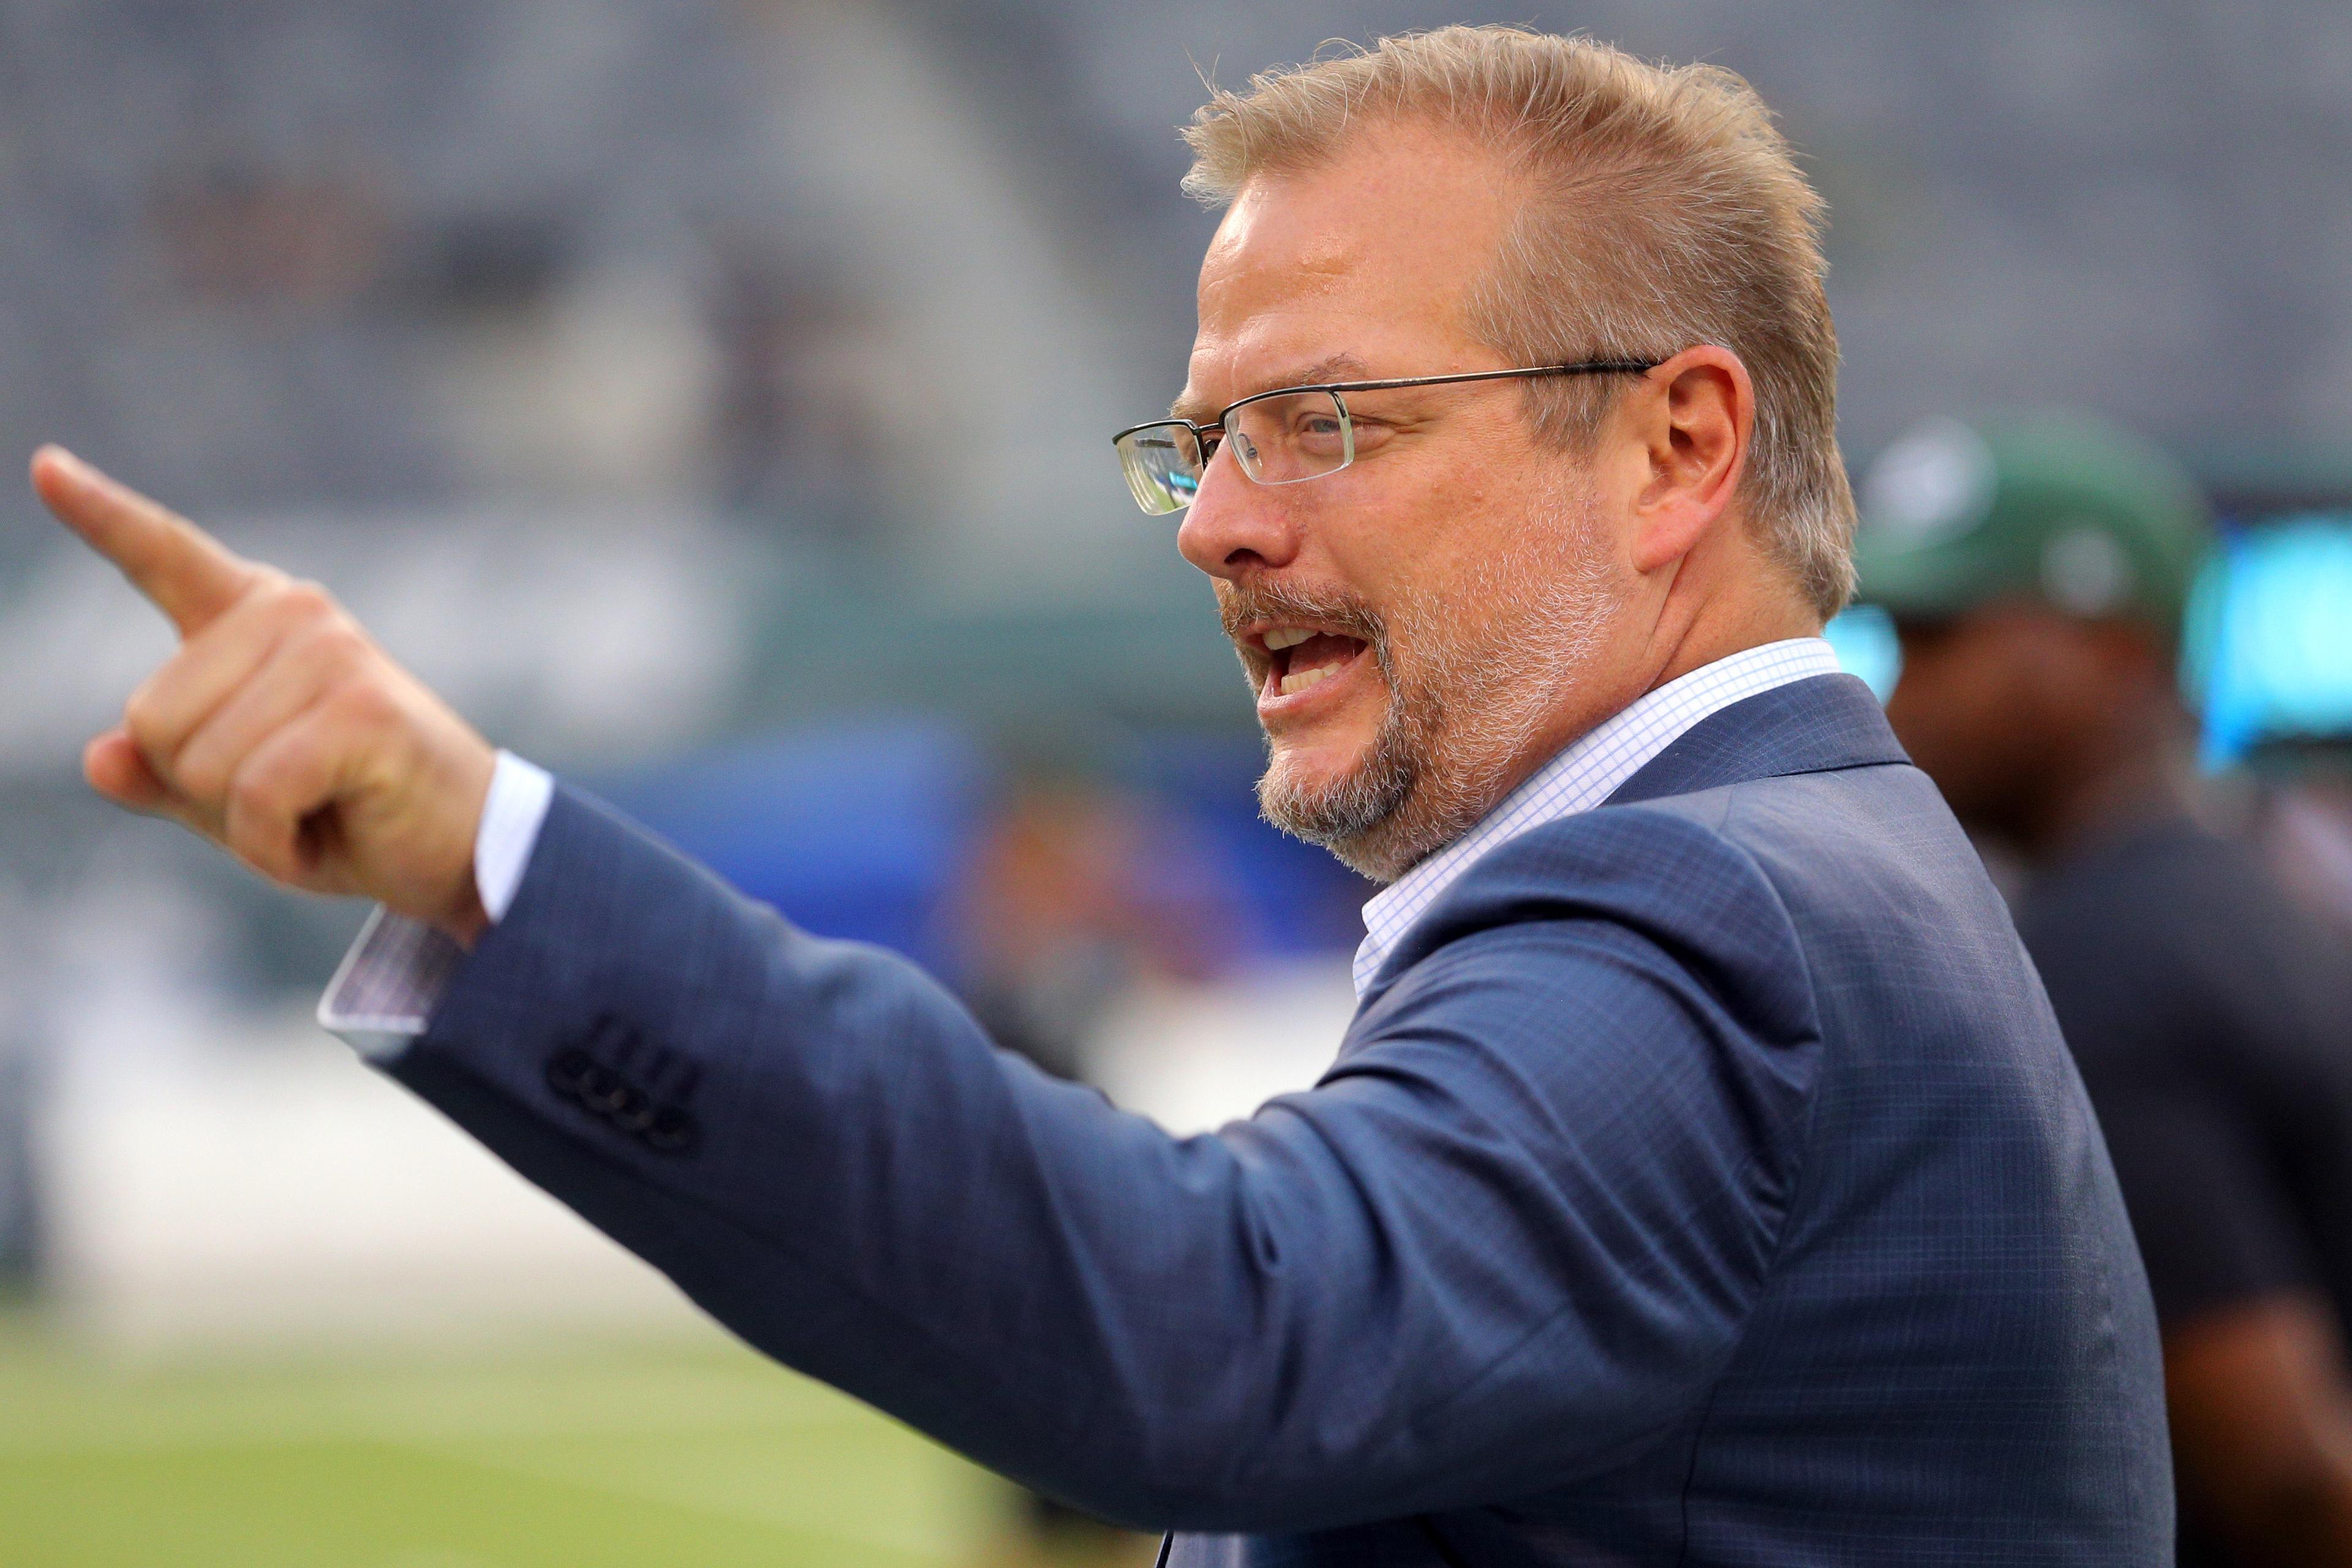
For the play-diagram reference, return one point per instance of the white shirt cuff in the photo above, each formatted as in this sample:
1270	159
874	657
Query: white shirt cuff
512	813
385	990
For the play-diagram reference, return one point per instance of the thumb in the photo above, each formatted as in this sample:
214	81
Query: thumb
116	769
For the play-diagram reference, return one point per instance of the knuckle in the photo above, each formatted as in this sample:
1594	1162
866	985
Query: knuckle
306	600
143	714
264	584
200	776
258	599
252	797
334	645
368	703
331	657
299	607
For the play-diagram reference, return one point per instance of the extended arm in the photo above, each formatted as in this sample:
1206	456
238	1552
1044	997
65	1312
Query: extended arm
1507	1240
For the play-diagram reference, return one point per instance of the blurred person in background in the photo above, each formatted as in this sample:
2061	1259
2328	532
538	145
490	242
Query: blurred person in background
2037	572
1055	923
1702	1178
1053	930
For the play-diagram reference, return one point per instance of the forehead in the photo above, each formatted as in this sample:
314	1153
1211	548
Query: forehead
1370	255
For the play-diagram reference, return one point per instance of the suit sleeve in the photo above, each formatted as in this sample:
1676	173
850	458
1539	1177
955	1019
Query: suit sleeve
1508	1240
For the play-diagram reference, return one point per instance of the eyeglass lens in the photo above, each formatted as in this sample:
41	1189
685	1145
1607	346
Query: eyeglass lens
1162	464
1276	440
1298	435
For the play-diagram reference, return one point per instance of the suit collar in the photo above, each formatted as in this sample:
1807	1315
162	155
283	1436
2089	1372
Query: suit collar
1818	725
1584	774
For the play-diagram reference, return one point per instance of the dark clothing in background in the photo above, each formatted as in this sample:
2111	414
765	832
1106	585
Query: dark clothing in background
2212	1021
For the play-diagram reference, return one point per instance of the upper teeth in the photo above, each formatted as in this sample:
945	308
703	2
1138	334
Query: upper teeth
1285	636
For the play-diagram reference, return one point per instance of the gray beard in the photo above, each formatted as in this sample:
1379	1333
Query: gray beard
1462	716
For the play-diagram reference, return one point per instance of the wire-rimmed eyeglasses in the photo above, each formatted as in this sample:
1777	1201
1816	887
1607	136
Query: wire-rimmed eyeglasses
1281	437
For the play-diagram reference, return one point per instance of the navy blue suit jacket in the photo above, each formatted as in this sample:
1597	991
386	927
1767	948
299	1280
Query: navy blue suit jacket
1703	1181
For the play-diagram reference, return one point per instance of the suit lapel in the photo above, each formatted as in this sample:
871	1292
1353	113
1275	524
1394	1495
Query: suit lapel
1820	724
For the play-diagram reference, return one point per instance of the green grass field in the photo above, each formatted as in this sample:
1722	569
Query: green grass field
587	1456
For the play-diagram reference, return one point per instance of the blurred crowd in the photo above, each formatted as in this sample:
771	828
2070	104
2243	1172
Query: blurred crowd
766	348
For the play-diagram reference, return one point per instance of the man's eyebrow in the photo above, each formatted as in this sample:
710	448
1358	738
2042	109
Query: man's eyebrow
1335	367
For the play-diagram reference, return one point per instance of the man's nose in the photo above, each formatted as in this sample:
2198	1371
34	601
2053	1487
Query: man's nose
1235	526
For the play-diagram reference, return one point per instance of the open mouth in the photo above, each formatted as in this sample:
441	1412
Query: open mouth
1300	657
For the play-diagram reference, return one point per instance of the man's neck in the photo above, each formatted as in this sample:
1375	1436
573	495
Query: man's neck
1734	628
1723	628
1680	640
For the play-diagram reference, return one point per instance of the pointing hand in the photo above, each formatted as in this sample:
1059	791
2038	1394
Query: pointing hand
279	731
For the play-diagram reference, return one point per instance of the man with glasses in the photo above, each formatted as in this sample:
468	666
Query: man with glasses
1702	1179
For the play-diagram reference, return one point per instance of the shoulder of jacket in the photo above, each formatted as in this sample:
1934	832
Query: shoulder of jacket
1668	870
1692	834
1658	888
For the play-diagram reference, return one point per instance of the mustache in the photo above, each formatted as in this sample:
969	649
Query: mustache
1239	605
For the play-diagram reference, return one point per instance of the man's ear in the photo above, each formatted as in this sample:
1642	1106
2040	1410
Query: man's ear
1693	417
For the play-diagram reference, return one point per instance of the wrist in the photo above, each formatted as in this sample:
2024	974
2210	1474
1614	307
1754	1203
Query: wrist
462	913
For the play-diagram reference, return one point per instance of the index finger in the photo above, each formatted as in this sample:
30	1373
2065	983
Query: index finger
190	575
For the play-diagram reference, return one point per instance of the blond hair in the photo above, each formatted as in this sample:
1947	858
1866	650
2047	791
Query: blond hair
1666	211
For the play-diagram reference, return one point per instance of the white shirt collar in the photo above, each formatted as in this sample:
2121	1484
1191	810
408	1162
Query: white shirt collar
1586	772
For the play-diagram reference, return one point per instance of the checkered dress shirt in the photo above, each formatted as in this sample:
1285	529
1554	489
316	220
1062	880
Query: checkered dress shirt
1583	775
